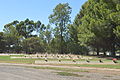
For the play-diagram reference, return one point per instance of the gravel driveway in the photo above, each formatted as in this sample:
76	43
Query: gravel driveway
8	72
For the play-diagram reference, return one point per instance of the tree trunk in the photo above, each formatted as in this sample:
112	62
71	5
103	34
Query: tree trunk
113	40
113	51
104	51
97	51
61	45
61	36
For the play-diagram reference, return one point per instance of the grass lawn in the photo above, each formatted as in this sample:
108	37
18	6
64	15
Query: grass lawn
7	59
111	66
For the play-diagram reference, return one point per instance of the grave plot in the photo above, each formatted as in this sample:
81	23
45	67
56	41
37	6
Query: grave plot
62	59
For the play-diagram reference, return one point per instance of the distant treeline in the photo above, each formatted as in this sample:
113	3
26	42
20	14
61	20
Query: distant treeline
95	28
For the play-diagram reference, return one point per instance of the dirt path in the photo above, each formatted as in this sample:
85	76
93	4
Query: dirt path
9	71
23	73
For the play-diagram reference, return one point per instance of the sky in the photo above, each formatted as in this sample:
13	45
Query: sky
11	10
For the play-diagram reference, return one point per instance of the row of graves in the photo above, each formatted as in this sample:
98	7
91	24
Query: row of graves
65	59
71	59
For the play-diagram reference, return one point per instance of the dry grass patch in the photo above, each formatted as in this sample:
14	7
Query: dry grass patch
69	74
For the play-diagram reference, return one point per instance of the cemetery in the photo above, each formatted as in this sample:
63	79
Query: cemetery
60	40
59	59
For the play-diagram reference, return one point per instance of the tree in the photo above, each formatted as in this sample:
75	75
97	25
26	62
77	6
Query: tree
15	33
61	17
25	28
2	42
12	38
48	38
97	23
73	43
32	45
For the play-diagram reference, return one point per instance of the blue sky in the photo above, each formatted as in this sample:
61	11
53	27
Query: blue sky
11	10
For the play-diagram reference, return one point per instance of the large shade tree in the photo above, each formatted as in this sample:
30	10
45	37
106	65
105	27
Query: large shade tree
61	17
12	37
16	33
98	21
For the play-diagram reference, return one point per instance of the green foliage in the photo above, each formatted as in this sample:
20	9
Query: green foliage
19	36
2	42
12	38
97	22
32	45
27	27
60	17
48	38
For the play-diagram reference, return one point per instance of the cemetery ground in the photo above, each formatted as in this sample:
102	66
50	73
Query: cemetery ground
72	67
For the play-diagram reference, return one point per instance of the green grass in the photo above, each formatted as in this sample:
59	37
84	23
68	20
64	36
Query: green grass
111	66
7	59
108	76
117	66
17	55
69	74
4	57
